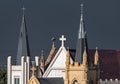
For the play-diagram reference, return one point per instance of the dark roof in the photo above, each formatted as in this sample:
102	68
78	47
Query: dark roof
109	62
23	45
51	81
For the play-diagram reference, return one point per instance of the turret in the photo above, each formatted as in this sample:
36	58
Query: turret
67	58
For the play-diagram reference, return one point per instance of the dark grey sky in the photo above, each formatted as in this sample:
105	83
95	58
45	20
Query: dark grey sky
52	18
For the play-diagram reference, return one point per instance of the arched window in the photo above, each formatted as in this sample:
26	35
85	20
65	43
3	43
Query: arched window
75	82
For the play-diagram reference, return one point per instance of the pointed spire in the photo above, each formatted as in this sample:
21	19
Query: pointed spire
23	45
82	40
23	16
81	33
96	57
42	62
81	12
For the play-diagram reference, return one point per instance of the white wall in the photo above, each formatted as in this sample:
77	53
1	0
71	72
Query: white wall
18	71
57	66
16	74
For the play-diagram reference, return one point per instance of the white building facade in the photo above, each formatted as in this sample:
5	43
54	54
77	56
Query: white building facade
18	74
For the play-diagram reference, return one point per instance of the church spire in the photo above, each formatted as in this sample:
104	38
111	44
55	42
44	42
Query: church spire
23	45
81	33
82	40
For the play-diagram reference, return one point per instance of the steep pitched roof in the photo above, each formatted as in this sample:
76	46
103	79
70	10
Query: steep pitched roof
56	60
23	45
109	62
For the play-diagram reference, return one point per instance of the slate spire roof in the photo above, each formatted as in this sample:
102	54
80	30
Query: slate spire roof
23	45
82	40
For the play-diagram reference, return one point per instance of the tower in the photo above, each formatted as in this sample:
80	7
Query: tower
19	73
82	71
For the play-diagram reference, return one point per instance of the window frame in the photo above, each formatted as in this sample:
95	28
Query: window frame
16	80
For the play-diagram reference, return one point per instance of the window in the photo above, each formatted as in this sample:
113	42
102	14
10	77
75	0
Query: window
17	80
75	82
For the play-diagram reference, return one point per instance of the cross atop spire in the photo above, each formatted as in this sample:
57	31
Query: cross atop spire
81	11
23	8
62	39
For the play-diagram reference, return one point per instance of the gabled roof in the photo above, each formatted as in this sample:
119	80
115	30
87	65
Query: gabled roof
109	62
57	57
54	60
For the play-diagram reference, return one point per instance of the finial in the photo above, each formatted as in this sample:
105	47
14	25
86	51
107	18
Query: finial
42	52
81	11
68	48
96	48
62	39
33	63
96	57
23	17
33	70
53	40
85	48
23	8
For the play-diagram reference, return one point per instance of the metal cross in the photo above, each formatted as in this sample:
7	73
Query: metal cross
62	39
23	10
